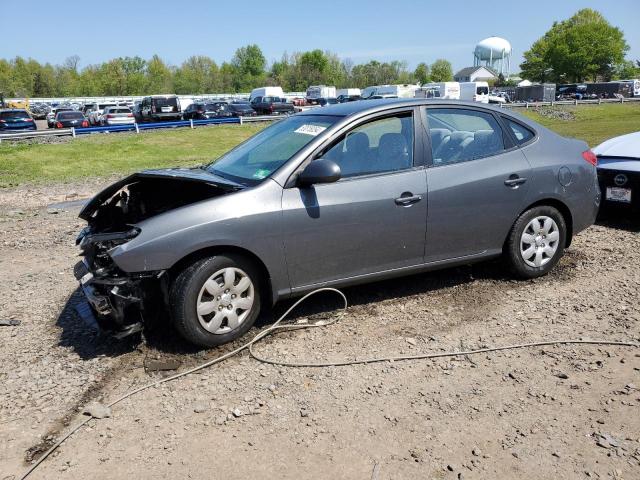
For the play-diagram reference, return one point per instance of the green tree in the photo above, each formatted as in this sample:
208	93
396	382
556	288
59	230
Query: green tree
441	71
626	70
586	46
249	64
198	74
159	78
421	73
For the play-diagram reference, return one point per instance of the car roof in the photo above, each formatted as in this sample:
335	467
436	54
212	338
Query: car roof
375	105
2	110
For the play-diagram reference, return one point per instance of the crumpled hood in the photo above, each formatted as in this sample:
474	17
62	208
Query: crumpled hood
183	174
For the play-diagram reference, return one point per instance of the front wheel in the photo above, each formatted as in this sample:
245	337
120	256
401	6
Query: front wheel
215	300
536	242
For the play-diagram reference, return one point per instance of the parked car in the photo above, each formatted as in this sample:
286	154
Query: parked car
51	116
323	102
95	112
474	91
16	119
117	116
205	111
70	118
332	196
316	93
136	110
160	108
39	111
241	109
271	105
619	173
348	98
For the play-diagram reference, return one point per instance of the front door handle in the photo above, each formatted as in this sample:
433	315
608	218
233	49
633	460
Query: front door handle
407	199
514	181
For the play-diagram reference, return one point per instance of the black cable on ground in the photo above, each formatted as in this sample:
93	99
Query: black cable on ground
276	327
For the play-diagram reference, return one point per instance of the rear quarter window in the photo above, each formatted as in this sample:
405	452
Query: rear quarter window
521	133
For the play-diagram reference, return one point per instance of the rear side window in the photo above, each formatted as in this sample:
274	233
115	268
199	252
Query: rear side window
459	135
522	134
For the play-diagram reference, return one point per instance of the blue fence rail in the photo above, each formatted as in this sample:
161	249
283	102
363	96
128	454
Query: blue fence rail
137	127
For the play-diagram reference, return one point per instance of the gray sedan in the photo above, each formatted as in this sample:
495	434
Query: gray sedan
336	196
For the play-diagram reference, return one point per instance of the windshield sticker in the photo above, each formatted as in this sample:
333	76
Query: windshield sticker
260	173
312	130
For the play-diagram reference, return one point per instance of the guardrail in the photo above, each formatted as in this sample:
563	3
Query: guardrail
137	127
554	103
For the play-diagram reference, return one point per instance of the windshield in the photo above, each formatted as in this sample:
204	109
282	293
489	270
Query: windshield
261	155
482	90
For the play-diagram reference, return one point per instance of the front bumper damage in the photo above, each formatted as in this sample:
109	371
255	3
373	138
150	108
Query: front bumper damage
118	302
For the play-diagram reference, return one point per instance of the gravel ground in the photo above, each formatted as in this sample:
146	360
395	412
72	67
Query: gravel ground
552	412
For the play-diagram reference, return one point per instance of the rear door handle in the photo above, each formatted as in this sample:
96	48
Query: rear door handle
514	181
407	199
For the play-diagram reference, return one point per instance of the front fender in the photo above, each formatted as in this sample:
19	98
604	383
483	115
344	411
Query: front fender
249	219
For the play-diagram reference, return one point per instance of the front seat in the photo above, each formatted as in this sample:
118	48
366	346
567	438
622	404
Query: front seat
356	158
393	152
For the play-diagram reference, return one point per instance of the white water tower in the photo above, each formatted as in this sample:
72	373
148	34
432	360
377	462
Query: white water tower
494	52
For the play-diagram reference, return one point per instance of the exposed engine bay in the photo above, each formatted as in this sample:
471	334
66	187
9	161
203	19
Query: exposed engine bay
123	301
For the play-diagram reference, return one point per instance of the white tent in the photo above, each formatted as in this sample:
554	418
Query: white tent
525	83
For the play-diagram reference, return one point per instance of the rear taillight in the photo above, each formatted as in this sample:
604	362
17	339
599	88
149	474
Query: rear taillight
85	123
129	114
28	119
153	109
590	157
110	116
58	125
3	121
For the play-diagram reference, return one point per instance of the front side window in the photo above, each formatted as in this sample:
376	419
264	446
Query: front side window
383	145
459	135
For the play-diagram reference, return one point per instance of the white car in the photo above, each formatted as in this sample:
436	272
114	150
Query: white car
96	113
619	173
117	116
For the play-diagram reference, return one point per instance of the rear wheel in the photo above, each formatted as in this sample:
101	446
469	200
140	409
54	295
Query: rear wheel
215	300
536	242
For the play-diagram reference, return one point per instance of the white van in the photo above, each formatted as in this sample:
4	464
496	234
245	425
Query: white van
399	91
448	90
266	92
348	92
317	92
474	91
369	91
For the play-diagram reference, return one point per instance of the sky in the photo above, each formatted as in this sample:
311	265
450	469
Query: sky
362	30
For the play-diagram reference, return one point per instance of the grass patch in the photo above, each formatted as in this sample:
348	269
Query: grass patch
101	155
591	123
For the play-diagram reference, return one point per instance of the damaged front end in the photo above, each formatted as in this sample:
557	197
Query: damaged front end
124	302
119	301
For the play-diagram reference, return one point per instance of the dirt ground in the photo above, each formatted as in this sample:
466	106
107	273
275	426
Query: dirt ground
552	412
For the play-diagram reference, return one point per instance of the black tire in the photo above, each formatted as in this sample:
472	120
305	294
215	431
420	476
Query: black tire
184	292
512	254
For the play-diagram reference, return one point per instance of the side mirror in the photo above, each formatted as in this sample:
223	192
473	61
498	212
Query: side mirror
319	171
